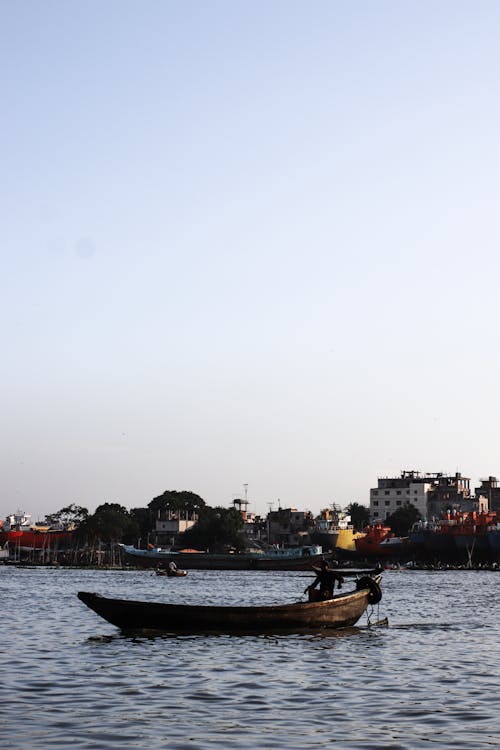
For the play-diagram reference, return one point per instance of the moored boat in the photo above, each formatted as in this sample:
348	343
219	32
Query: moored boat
346	539
335	530
379	541
24	535
341	611
277	558
459	536
493	537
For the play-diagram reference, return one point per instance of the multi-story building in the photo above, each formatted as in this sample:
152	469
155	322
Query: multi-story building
489	488
254	527
392	493
289	527
170	524
450	493
431	494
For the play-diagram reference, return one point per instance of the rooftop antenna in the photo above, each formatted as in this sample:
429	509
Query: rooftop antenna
246	492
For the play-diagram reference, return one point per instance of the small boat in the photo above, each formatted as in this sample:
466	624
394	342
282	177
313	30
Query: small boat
342	611
171	573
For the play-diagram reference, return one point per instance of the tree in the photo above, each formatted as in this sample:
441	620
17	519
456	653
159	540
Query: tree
403	519
143	517
69	516
360	515
110	523
215	529
176	501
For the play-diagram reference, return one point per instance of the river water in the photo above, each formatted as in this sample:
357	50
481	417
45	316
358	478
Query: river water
70	679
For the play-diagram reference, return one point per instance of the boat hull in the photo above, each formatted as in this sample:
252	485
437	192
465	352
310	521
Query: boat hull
172	573
493	537
37	540
342	611
372	549
346	540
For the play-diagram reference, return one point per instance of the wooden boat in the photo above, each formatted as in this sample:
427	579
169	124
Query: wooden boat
172	573
341	611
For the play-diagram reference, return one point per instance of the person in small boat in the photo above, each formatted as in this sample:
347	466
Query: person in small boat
172	567
326	578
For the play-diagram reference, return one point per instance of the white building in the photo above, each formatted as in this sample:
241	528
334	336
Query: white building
392	493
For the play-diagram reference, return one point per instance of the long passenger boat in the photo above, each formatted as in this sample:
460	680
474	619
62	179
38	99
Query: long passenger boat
299	558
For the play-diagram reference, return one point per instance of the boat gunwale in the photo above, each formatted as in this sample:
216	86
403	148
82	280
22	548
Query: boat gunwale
226	609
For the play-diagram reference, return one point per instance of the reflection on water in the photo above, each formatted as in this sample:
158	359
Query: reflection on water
68	678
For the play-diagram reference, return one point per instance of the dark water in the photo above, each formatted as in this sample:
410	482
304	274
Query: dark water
69	679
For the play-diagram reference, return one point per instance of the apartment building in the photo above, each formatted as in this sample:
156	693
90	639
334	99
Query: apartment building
431	494
392	493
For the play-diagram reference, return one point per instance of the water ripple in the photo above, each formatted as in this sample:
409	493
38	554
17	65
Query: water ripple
429	679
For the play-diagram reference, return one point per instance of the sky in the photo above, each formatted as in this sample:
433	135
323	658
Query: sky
246	243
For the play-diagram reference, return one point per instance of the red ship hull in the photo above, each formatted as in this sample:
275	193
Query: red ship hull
380	542
37	539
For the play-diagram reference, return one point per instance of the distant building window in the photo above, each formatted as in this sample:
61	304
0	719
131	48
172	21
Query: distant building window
375	514
387	502
398	492
398	502
415	492
375	502
407	492
386	492
375	492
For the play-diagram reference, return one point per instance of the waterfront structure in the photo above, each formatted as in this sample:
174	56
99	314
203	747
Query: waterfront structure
290	527
453	493
431	494
169	524
489	488
392	493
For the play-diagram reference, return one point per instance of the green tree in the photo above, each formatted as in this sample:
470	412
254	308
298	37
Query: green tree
110	523
360	515
216	529
70	515
403	519
176	501
143	517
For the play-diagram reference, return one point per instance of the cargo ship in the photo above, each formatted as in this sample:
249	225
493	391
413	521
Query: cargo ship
23	535
335	531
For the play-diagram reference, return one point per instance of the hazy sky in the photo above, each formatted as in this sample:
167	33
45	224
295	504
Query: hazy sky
246	242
